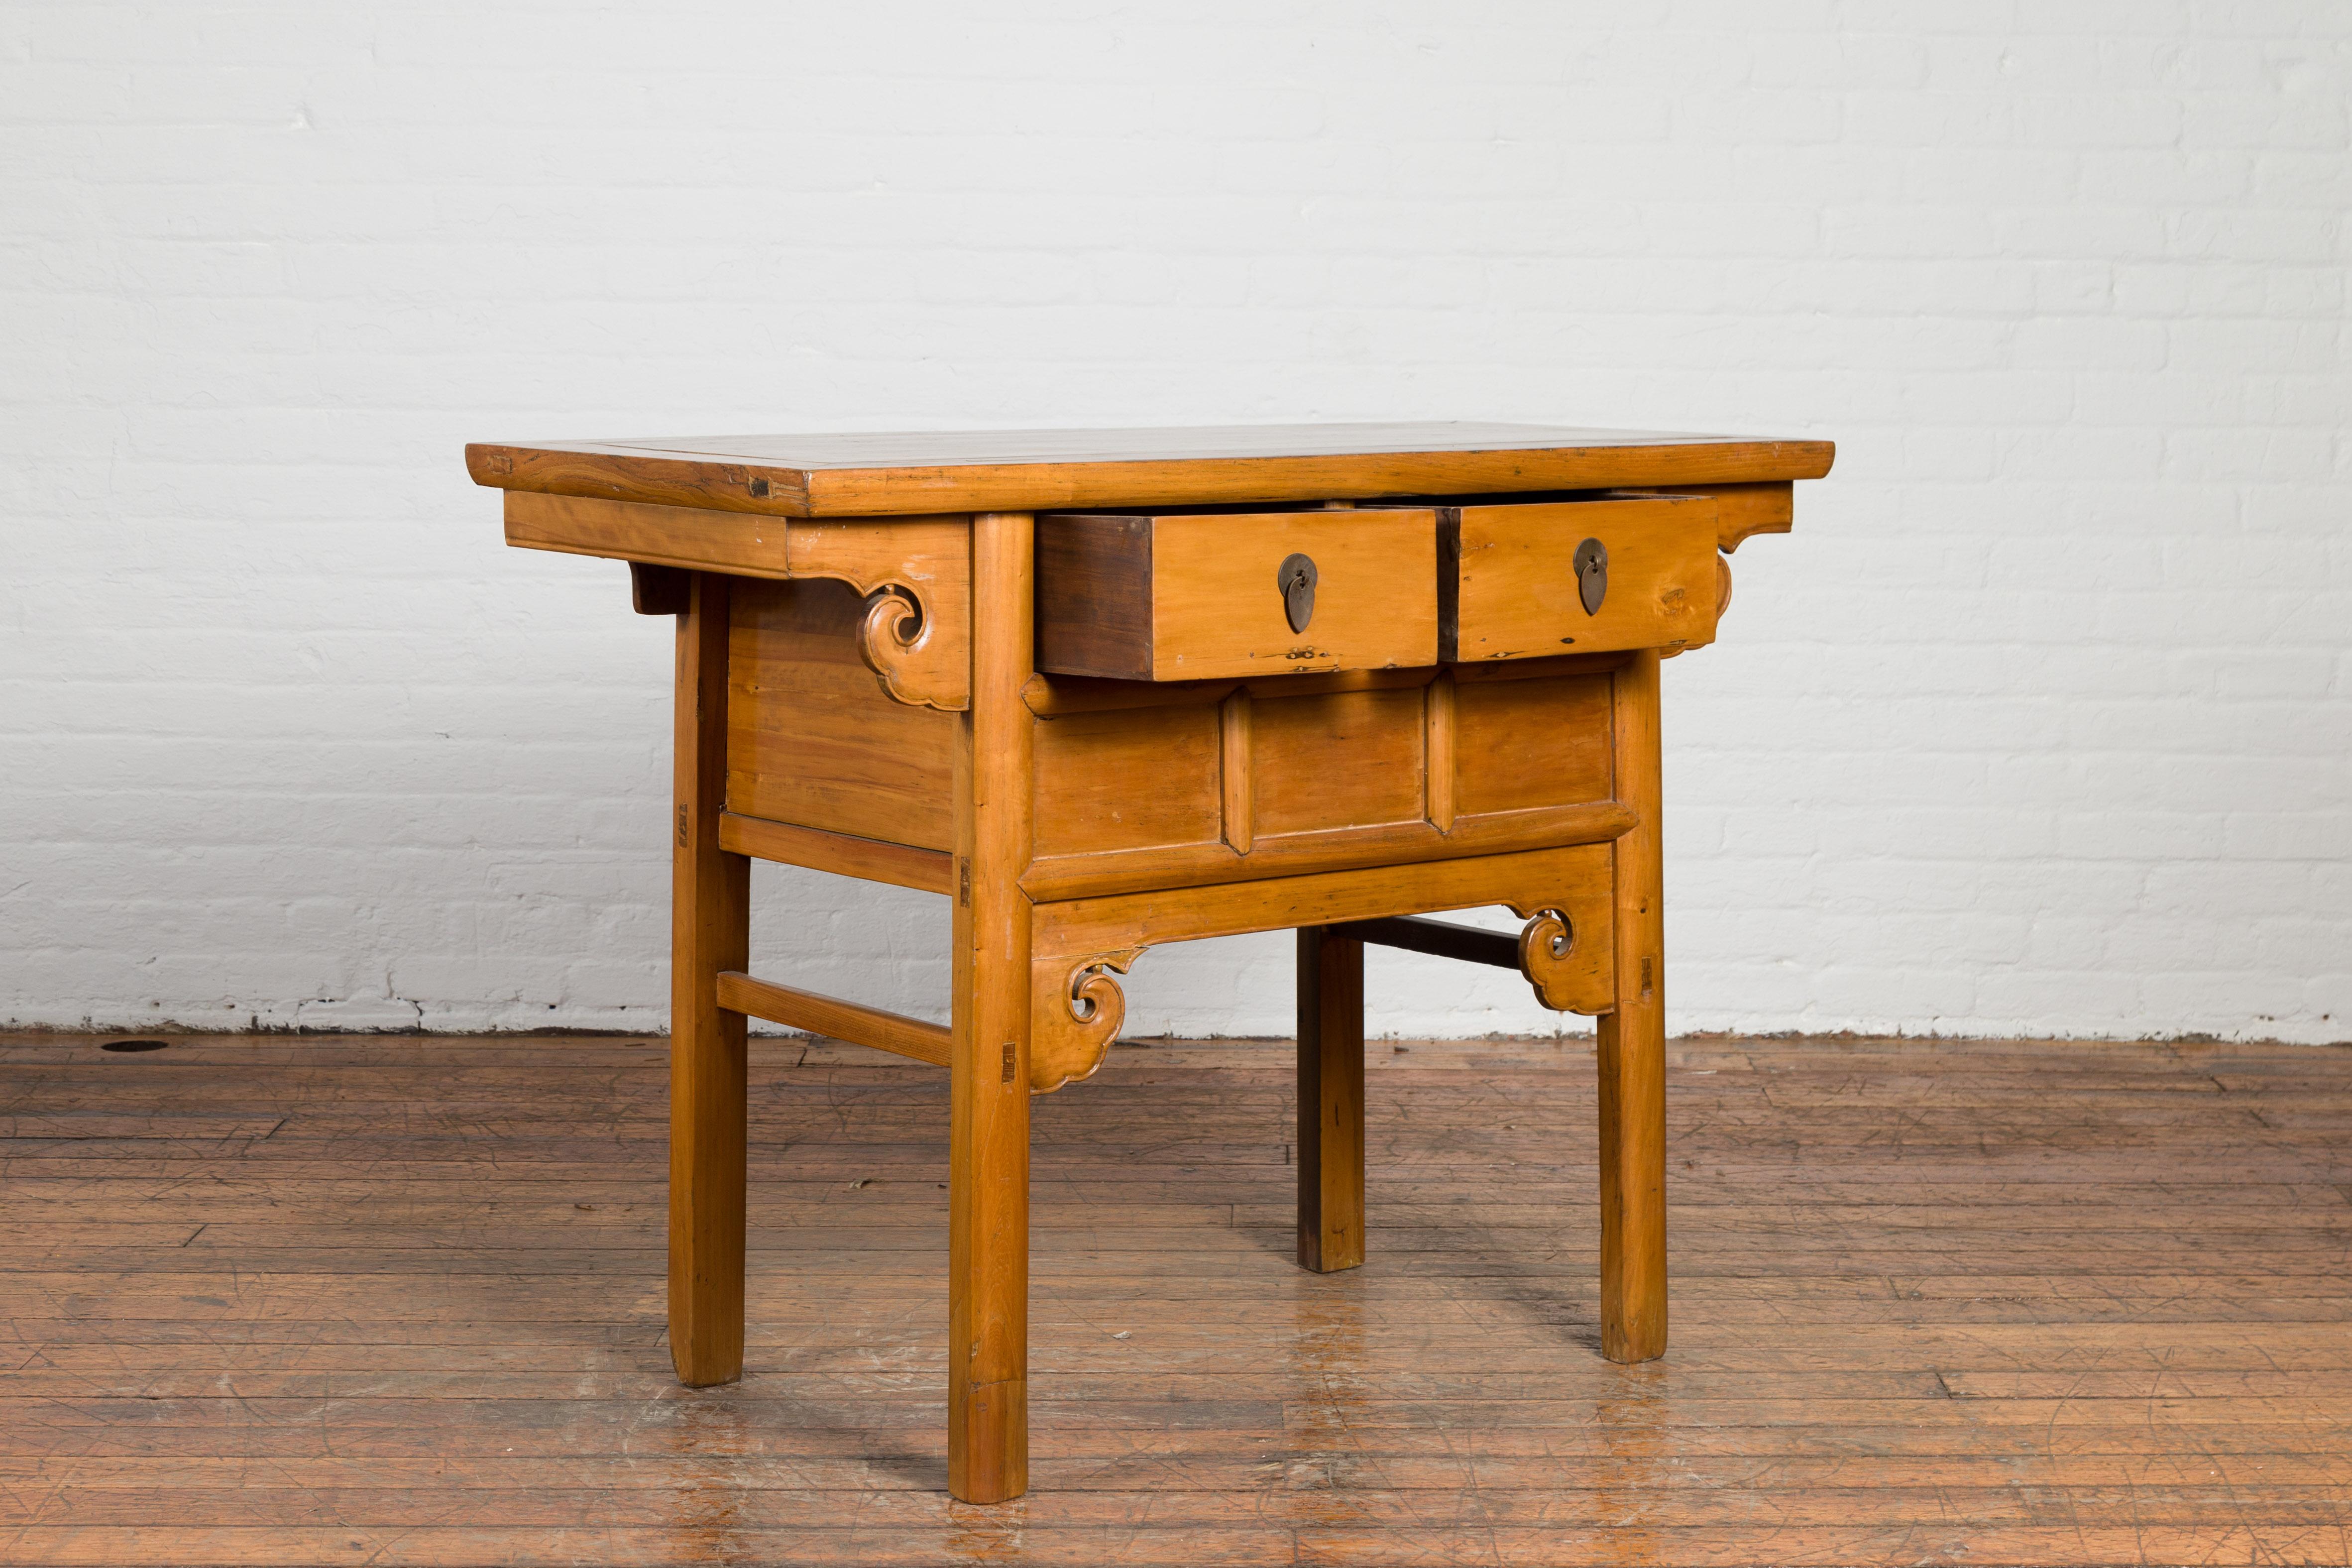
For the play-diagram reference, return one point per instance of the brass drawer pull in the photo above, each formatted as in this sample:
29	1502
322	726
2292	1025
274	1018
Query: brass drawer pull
1295	578
1591	565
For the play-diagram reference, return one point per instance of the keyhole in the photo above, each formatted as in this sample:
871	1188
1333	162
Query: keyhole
1296	577
1591	568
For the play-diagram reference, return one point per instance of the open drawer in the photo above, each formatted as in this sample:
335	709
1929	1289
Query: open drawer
1523	579
1213	596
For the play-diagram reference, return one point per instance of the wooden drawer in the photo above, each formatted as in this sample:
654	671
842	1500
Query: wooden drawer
1192	596
1510	587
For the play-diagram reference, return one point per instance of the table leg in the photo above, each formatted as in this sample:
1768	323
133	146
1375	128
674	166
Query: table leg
988	1140
1633	1047
1330	1100
710	930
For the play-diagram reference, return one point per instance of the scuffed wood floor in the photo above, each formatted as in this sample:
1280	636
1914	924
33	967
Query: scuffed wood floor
399	1300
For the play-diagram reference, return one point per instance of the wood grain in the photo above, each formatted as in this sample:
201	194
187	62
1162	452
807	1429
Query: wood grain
921	657
1237	791
850	1021
1743	512
1327	764
1526	745
923	553
1440	756
1517	595
882	474
1331	1099
710	933
1056	697
1093	611
1218	610
2057	1302
1402	845
1631	1045
1567	951
1093	924
988	1136
1194	596
814	740
1076	1011
1284	780
686	538
916	635
1128	779
929	557
869	859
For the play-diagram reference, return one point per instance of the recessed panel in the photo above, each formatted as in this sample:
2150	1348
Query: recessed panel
1344	759
1521	744
1129	779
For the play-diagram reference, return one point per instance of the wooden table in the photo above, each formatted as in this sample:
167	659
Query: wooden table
1107	689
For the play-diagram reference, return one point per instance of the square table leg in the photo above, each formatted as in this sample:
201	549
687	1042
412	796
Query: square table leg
709	932
1330	1100
1633	1046
988	1138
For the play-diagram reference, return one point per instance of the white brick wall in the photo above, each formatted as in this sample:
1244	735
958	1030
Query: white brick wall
2038	724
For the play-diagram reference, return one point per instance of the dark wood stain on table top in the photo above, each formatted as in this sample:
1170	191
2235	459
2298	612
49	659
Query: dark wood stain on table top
280	1300
904	473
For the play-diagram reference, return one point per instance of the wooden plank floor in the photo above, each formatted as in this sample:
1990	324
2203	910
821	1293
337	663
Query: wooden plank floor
399	1300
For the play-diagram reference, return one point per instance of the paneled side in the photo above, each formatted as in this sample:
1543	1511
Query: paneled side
1129	779
1343	759
1519	744
811	737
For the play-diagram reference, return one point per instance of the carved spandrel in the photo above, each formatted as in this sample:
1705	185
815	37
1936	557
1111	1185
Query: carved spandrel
900	644
916	635
1076	1009
1568	952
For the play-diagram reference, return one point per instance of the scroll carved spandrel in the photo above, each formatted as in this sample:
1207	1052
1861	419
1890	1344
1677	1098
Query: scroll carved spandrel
916	635
902	644
1076	1009
1568	952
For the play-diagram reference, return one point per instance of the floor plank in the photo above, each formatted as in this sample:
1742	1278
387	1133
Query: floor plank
280	1300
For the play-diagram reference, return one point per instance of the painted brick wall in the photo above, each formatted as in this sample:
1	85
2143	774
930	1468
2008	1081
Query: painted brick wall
2039	724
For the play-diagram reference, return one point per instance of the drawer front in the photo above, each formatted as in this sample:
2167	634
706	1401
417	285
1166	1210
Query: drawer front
1205	597
1514	585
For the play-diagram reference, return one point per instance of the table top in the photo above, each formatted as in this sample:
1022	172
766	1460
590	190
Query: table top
913	473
